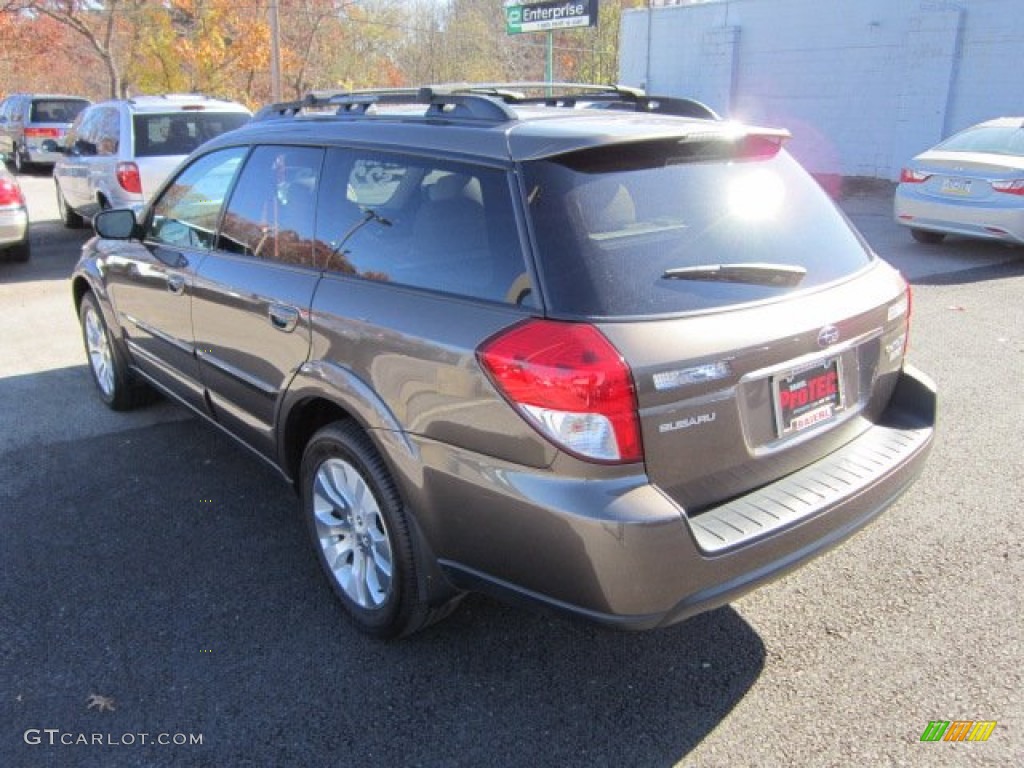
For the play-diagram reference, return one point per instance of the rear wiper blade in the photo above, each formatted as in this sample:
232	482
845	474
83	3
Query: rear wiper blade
756	274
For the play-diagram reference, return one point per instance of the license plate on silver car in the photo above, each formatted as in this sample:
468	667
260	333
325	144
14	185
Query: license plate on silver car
956	186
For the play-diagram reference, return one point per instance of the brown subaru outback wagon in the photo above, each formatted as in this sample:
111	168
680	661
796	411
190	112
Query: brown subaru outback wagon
591	348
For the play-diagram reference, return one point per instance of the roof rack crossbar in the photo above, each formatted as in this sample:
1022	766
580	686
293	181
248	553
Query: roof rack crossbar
315	99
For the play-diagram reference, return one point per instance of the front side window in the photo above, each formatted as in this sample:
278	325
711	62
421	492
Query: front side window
87	133
186	214
420	222
271	213
108	132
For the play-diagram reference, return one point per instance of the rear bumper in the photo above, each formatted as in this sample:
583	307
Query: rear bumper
13	226
622	553
37	156
990	220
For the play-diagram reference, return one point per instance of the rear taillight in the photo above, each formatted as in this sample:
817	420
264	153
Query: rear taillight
571	384
910	176
42	133
1014	187
128	177
10	195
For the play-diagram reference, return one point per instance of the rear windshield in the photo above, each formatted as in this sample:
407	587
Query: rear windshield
991	139
628	230
178	133
56	110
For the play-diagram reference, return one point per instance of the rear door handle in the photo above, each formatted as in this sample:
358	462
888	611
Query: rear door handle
283	318
176	284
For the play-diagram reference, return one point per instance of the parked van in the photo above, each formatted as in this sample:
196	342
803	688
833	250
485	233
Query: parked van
119	152
29	119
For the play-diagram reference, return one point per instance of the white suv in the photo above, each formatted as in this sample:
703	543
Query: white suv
117	153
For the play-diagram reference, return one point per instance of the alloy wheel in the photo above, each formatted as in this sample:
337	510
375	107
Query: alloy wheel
98	348
352	534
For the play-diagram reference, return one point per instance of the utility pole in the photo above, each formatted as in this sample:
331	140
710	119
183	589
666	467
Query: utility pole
650	25
275	53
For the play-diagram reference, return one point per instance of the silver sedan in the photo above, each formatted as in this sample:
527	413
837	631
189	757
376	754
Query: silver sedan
14	245
971	184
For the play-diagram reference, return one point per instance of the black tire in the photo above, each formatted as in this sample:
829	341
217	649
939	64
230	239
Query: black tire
20	164
355	514
20	252
67	215
107	365
926	237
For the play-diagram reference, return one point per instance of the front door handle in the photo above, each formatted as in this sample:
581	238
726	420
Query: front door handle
176	284
283	318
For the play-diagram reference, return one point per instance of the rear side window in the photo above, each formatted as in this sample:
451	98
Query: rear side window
421	222
178	133
56	110
618	227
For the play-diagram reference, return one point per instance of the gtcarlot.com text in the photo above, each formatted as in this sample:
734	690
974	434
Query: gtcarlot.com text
55	737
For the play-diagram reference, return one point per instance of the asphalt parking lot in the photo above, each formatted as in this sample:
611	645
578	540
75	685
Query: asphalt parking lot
157	586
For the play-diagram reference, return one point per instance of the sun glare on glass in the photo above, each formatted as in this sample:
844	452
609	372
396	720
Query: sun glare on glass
756	196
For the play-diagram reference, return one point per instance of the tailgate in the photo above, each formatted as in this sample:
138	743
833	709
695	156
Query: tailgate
734	400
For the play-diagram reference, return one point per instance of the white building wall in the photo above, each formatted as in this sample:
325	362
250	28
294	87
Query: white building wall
862	84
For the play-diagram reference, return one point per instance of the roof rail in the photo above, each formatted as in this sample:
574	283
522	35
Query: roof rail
440	102
570	94
488	102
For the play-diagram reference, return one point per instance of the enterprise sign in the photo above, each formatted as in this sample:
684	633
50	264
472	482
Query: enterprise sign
541	17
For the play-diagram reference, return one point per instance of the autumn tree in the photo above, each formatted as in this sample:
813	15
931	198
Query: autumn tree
222	47
25	38
466	40
591	54
339	43
100	25
212	46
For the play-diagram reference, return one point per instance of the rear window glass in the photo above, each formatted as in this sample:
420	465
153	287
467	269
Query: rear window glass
632	230
991	139
178	133
56	110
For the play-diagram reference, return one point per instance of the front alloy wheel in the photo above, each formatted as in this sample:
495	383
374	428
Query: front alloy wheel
107	366
97	346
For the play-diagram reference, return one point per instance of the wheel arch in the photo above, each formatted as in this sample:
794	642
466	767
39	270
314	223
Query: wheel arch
79	287
322	393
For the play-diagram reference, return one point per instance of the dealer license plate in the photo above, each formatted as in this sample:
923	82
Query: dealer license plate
956	186
807	397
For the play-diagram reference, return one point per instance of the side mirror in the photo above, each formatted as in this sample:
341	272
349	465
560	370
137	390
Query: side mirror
49	145
116	224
